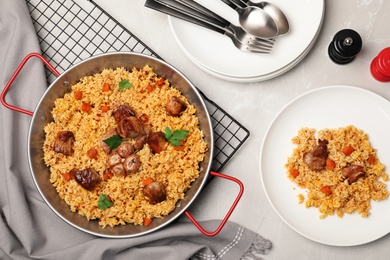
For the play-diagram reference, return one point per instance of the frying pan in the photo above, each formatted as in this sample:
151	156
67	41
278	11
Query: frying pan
42	116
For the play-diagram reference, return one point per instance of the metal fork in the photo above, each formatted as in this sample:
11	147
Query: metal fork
241	41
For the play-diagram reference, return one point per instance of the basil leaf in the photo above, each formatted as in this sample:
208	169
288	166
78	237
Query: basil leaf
125	84
113	141
104	202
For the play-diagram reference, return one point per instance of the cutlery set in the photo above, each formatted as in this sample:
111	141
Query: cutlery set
260	23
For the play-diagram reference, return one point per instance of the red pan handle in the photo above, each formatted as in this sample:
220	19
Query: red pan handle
229	212
4	92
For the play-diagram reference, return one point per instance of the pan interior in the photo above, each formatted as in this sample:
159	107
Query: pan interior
42	115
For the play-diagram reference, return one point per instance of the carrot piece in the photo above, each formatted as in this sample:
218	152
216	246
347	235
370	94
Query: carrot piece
326	190
107	175
294	173
86	107
67	176
147	181
348	150
180	147
106	87
371	159
147	221
78	95
105	108
149	88
330	164
160	82
92	153
144	118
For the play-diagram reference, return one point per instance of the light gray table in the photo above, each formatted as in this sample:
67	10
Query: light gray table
256	104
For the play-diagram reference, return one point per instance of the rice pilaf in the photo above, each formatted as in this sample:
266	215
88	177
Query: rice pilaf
175	168
329	189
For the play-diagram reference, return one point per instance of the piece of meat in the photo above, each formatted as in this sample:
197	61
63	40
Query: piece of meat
175	106
132	163
125	149
140	141
121	112
130	127
118	169
64	142
114	158
155	192
353	173
106	148
157	141
87	178
316	159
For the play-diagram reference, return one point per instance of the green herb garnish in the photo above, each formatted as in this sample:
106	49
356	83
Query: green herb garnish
175	137
104	202
125	84
113	142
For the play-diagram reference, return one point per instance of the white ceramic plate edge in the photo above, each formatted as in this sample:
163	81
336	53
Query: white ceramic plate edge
255	77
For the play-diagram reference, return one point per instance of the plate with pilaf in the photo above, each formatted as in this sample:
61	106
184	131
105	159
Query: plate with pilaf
323	165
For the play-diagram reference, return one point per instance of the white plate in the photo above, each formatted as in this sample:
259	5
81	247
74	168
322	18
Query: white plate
326	107
260	77
216	52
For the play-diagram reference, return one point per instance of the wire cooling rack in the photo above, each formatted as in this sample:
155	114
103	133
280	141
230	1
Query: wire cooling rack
70	32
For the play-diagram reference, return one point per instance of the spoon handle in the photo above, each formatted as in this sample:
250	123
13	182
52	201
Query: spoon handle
194	5
190	11
233	4
158	6
221	9
194	8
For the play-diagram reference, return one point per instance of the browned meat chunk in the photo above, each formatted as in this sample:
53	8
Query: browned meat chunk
118	169
353	173
114	158
132	163
130	127
87	178
155	192
121	112
106	148
175	106
316	159
157	142
140	141
64	142
125	149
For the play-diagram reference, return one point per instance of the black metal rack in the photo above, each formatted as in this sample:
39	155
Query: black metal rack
69	33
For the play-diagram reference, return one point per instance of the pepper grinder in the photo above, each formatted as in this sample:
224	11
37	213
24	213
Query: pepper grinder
346	44
380	66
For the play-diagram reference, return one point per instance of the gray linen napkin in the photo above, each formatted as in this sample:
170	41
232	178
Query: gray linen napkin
28	227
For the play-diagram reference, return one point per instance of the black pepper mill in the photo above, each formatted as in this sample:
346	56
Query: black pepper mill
345	46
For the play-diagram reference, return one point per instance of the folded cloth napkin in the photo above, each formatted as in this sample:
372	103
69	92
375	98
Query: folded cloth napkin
29	229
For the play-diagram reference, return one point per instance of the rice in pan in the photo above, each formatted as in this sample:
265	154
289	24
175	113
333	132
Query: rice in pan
339	170
85	173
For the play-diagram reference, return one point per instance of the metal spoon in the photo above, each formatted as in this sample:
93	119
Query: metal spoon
277	14
256	21
252	19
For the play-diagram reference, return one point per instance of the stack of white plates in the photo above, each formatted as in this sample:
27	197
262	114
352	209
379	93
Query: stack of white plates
216	54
